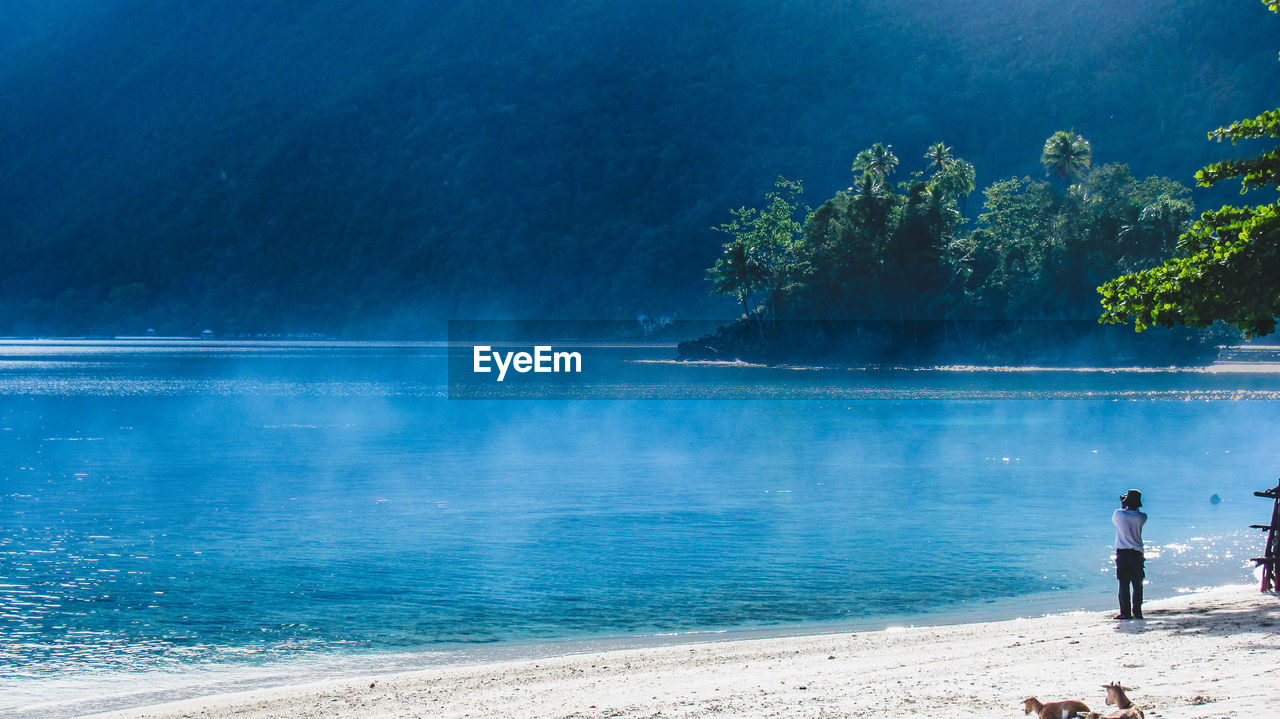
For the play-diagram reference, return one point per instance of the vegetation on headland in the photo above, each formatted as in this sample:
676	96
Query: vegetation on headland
1227	267
1038	252
881	270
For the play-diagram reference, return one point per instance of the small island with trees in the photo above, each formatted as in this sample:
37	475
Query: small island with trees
900	272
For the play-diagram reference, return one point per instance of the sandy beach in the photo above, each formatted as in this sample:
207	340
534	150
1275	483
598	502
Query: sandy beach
1197	656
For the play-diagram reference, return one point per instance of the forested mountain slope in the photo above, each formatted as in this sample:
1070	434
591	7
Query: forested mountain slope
377	168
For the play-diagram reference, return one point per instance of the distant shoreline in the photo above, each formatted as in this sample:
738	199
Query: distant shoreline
920	343
1193	655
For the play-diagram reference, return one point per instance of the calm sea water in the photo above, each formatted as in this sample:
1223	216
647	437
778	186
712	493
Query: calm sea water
182	517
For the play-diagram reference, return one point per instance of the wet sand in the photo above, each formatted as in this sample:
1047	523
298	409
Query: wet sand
1197	656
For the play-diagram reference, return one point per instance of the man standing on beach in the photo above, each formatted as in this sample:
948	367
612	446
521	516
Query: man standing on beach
1129	558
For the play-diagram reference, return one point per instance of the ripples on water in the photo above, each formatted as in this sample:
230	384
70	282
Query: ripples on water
256	511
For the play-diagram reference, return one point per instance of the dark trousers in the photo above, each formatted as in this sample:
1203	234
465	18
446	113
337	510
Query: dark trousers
1130	572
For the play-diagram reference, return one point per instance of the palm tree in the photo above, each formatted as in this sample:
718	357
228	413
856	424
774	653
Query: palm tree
1067	155
878	161
738	273
940	155
872	205
956	180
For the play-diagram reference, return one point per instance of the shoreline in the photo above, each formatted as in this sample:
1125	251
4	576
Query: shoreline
1193	658
209	680
101	694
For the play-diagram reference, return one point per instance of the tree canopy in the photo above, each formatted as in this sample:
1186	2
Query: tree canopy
762	248
1067	155
1227	267
907	251
878	161
871	266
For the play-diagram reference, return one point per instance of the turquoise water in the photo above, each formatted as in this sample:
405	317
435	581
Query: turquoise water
179	516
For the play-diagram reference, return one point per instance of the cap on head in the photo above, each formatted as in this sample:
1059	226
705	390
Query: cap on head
1131	499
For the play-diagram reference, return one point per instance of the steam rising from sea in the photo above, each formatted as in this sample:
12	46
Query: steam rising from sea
188	517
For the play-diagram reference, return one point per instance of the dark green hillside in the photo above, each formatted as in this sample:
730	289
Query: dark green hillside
378	168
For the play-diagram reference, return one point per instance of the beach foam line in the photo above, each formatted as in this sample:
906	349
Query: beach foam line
1207	654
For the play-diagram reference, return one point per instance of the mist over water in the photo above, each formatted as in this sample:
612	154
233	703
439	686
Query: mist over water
167	507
